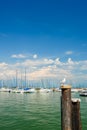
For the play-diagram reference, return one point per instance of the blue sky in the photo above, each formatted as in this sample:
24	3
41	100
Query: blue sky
48	29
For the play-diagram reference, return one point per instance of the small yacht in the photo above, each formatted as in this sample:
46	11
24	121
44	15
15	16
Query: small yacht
45	90
83	93
5	90
29	90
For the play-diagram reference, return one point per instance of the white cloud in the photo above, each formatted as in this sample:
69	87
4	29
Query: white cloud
69	52
3	67
48	61
35	56
57	61
46	68
70	61
44	72
3	64
18	56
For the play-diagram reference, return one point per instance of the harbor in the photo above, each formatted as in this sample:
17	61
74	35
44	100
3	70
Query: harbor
35	111
43	65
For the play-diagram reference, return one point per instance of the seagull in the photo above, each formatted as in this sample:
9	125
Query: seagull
63	81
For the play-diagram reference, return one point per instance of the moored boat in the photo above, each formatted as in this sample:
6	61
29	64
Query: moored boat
83	93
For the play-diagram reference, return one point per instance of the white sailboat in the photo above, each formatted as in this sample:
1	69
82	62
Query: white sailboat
28	89
43	88
17	90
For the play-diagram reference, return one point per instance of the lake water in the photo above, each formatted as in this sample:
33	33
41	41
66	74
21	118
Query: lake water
36	111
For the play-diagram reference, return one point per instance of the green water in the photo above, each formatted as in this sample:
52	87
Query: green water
34	111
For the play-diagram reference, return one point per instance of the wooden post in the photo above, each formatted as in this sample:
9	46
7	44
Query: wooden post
76	119
66	123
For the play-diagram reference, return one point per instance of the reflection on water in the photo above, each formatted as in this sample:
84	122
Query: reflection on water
34	111
29	111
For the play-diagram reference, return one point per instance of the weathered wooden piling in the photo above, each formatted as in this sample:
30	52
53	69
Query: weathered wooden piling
76	119
66	123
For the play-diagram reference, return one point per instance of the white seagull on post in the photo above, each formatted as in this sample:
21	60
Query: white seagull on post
63	81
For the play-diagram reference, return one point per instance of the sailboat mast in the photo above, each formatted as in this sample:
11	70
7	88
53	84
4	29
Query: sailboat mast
16	79
25	77
21	81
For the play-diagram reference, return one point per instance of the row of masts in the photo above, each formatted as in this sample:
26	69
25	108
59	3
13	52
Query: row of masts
20	80
22	83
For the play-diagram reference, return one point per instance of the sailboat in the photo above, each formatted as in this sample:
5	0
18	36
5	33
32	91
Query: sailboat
83	93
17	90
44	89
27	89
4	88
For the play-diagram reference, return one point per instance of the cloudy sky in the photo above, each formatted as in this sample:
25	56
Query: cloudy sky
48	38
